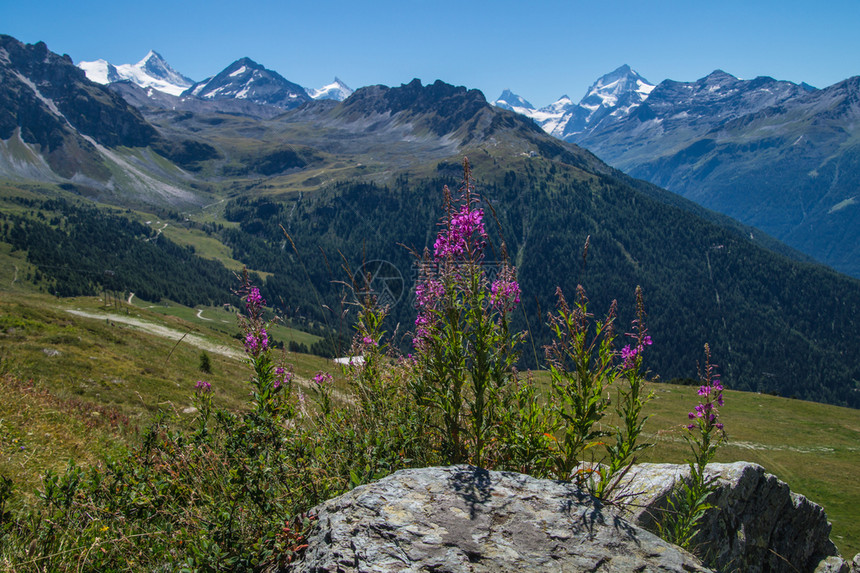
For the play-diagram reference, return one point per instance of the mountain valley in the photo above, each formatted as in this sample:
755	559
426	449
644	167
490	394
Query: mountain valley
291	193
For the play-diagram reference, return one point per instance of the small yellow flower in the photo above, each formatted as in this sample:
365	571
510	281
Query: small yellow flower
105	528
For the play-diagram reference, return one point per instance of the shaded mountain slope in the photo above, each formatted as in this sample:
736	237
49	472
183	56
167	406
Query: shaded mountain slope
776	155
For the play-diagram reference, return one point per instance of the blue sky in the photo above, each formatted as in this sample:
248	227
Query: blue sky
539	49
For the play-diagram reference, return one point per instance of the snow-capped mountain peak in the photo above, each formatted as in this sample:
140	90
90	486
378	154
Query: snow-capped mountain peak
562	104
248	80
100	71
156	67
511	101
150	72
621	84
617	94
337	90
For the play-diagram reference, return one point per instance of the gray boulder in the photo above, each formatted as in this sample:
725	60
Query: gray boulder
461	518
760	525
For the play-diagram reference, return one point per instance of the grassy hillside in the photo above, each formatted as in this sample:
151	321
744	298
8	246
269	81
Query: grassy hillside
77	387
815	448
760	311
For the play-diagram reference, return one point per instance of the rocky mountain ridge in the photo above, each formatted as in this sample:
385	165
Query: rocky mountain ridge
246	79
779	156
57	126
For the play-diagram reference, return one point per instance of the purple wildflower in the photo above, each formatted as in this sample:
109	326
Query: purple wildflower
323	378
505	291
454	241
628	355
251	344
257	342
631	354
428	292
203	387
711	390
254	299
423	323
282	376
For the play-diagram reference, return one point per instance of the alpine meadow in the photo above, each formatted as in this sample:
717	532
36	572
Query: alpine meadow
229	305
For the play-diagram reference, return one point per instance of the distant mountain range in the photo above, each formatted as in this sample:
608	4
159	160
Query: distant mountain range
773	154
782	157
613	96
151	72
779	156
362	177
244	79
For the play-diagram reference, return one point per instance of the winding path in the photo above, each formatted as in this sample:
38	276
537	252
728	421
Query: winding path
164	332
192	339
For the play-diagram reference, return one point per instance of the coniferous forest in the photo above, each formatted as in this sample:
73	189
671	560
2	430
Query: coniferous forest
702	282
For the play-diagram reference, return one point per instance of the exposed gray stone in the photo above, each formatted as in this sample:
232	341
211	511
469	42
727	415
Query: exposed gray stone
839	565
833	565
760	526
461	518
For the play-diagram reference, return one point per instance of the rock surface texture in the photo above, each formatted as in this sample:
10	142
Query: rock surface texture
759	526
463	519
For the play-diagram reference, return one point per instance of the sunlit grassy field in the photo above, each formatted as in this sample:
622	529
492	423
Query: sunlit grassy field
76	387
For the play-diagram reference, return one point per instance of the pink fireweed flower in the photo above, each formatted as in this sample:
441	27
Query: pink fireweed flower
505	291
203	387
629	353
323	378
254	299
256	342
705	414
454	241
282	376
428	292
423	324
368	341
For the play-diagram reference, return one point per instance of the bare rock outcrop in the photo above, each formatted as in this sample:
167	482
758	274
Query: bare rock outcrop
460	518
759	525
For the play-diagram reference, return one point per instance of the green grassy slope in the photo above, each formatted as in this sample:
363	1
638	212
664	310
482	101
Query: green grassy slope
59	407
